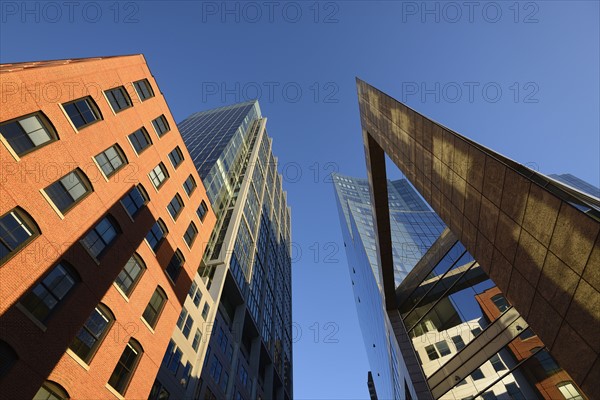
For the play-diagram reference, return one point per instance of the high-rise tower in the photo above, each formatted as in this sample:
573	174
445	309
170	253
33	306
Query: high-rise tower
246	346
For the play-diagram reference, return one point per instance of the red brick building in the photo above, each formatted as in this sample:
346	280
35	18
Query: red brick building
103	223
542	371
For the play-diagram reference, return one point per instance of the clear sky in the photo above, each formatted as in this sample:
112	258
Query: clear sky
520	78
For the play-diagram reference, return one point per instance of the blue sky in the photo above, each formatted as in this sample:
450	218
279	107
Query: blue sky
520	78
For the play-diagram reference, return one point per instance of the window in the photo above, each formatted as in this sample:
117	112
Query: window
187	371
568	390
546	361
431	352
8	358
100	236
161	126
118	98
90	336
156	234
197	339
477	374
514	392
175	206
143	89
205	311
500	302
189	322
28	133
175	265
158	175
497	363
190	234
182	316
16	230
215	368
176	157
443	348
134	200
51	391
126	366
168	354
140	140
222	340
197	297
224	382
475	331
458	342
158	392
68	190
527	333
111	160
50	292
202	210
189	185
175	361
130	274
82	112
489	396
155	307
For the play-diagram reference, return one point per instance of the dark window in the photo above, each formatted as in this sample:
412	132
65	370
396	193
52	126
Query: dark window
197	339
477	374
569	390
205	311
202	210
176	157
190	234
189	185
476	331
215	368
175	361
527	333
489	396
130	274
458	342
126	366
187	328
134	200
140	140
431	352
158	392
8	358
443	348
16	230
497	363
182	316
225	381
168	354
100	236
161	126
68	190
158	175
155	307
143	89
546	361
27	133
175	265
500	302
514	392
51	391
50	292
156	234
185	375
175	206
82	112
111	160
118	98
90	336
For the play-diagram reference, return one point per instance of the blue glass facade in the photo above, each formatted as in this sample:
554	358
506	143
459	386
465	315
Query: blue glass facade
414	229
248	259
577	183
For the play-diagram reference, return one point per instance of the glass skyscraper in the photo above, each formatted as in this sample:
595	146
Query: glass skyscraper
414	229
245	350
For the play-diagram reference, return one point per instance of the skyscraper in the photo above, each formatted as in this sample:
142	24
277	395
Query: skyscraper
246	346
98	241
509	227
414	229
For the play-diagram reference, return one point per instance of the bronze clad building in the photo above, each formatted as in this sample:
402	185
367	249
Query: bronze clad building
537	239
